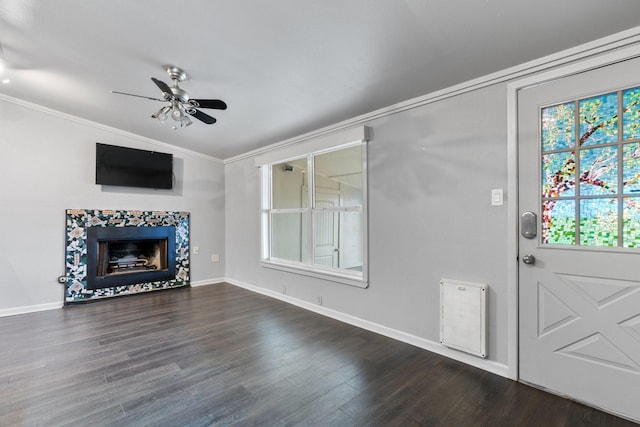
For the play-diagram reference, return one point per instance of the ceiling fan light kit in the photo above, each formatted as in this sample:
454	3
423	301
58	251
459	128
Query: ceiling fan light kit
181	106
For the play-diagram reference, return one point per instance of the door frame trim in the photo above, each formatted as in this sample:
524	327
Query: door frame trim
606	51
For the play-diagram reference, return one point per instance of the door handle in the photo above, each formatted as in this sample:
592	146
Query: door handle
529	259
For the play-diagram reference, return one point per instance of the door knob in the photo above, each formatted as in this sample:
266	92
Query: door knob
529	259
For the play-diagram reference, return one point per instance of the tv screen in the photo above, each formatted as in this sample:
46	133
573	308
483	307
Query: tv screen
130	167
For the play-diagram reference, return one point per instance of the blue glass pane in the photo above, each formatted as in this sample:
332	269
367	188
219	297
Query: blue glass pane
558	127
631	222
631	115
559	222
599	222
631	168
558	175
599	119
599	171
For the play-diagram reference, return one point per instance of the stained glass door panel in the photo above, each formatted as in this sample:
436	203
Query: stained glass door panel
595	206
579	302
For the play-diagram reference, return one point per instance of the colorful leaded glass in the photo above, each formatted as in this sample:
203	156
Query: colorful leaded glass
559	222
558	127
599	222
558	175
599	171
631	168
631	222
599	119
607	205
631	115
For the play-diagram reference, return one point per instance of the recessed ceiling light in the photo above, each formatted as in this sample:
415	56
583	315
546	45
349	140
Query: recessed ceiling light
5	81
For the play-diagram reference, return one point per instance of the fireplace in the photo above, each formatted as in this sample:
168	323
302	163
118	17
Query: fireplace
129	255
110	253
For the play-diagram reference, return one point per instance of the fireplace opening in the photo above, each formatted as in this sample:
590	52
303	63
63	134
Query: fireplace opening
129	255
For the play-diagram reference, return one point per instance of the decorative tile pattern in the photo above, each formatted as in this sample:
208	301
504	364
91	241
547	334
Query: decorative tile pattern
77	222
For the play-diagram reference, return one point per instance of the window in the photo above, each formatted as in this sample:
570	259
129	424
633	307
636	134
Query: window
314	213
591	171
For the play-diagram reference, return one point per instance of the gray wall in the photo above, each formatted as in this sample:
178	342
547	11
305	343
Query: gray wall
48	165
431	171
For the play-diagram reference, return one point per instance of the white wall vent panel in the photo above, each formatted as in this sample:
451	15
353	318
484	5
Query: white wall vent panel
463	316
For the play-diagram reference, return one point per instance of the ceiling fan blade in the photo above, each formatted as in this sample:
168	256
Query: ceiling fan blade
211	103
138	96
205	118
166	90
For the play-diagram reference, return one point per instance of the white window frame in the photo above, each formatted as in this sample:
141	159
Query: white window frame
308	150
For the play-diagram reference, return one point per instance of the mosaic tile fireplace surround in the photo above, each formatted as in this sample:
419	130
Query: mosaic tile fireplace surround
113	252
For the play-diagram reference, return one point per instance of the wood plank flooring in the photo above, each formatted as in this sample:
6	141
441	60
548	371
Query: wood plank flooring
221	355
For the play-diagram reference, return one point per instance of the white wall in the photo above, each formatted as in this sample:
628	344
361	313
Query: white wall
431	171
48	165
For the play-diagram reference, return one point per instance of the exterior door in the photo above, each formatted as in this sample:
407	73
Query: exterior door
579	265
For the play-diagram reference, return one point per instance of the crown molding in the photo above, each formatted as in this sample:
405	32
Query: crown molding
85	122
587	50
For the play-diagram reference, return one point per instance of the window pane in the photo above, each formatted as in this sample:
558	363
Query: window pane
338	239
599	171
631	168
339	172
631	222
631	115
559	222
599	119
288	180
326	228
599	222
558	127
558	175
287	236
350	241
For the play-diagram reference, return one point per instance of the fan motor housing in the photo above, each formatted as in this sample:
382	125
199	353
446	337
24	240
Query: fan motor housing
180	94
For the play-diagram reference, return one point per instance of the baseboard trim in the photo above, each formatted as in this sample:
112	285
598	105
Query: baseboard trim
207	282
53	305
432	346
29	309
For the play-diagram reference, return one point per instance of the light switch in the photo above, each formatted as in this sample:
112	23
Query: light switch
196	250
497	197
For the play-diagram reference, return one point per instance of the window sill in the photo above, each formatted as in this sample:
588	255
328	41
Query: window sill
338	277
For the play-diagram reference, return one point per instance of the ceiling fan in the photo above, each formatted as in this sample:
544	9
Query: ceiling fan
181	106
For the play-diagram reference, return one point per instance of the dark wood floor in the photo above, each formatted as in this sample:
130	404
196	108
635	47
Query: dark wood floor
220	355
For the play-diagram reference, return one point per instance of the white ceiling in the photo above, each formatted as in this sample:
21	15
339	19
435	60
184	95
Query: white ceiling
284	67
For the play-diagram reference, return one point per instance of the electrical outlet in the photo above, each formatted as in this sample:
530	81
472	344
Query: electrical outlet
215	258
196	250
319	300
284	290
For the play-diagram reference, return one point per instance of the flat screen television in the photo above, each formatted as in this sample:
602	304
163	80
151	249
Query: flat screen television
130	167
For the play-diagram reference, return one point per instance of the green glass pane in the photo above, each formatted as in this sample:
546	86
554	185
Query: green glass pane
631	168
559	222
599	171
558	175
631	115
599	119
599	222
558	127
631	222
